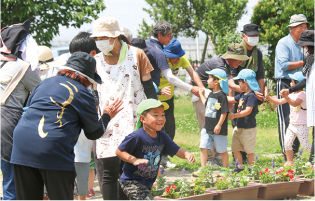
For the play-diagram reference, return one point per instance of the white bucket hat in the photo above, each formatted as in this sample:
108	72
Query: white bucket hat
106	26
46	59
298	19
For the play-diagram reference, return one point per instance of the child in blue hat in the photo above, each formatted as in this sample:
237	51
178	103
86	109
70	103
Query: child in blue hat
298	117
244	133
215	129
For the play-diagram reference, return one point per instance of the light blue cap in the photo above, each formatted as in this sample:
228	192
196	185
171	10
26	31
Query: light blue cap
219	73
250	77
298	76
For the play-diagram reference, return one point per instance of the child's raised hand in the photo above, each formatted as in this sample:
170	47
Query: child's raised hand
139	161
190	157
217	129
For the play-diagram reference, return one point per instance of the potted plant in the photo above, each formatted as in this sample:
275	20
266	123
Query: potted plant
277	184
159	187
307	187
181	190
235	187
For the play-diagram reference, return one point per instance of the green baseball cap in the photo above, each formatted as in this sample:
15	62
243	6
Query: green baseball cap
235	51
148	104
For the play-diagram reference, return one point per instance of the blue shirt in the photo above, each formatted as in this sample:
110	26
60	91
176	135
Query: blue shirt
157	59
46	134
250	100
141	145
287	51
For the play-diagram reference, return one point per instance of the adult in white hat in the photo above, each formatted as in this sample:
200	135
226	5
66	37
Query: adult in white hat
125	72
289	59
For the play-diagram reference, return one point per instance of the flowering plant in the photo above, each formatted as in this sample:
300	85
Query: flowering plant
222	183
257	167
284	173
171	192
298	163
308	172
266	177
158	189
198	189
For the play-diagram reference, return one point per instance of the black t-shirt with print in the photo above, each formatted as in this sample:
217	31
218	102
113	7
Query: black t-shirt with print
243	100
216	105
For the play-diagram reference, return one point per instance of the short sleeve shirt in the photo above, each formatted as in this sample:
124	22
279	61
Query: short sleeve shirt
48	131
215	62
157	59
184	63
216	105
141	145
250	100
298	114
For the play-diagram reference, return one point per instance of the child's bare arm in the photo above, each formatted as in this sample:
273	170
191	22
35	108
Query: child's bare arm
202	95
125	156
274	99
294	103
243	113
231	99
217	128
182	153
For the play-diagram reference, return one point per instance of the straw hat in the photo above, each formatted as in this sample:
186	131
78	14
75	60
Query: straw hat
46	59
106	26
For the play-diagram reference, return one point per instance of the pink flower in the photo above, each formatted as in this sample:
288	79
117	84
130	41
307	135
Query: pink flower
281	169
260	173
174	187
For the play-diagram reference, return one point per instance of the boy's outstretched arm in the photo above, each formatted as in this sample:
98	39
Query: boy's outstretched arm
274	99
202	95
243	113
217	128
182	153
125	156
231	99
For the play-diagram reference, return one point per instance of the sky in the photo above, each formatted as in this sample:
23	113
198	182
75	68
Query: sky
129	14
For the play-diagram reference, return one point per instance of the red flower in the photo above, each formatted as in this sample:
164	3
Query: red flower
266	170
291	176
277	172
287	175
173	186
168	189
260	173
290	171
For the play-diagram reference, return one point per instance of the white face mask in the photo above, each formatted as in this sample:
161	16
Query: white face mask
305	51
252	41
104	45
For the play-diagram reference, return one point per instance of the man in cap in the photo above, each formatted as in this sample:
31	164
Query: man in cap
18	78
255	62
233	57
289	59
162	35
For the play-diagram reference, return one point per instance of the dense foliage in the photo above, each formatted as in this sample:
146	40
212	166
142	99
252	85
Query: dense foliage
47	15
213	17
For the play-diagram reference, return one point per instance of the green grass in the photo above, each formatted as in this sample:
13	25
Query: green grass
188	135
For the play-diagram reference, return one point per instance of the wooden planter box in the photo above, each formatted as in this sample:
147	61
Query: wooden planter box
242	193
307	187
281	190
206	196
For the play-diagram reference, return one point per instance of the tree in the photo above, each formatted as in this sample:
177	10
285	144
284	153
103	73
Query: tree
273	17
213	17
47	15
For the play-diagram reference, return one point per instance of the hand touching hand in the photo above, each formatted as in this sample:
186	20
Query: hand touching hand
166	91
113	108
259	95
284	92
195	91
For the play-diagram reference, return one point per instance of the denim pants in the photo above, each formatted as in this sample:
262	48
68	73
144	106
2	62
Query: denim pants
8	181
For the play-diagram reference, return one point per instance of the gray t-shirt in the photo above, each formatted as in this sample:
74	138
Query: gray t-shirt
19	95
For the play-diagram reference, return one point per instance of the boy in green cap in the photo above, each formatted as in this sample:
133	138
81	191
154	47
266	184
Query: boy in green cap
143	148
